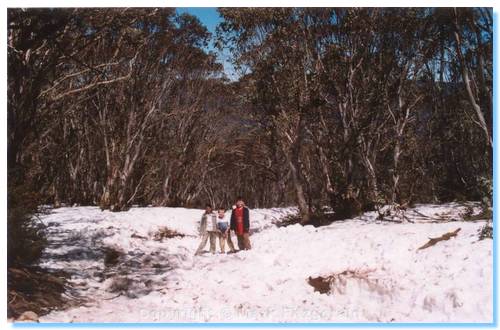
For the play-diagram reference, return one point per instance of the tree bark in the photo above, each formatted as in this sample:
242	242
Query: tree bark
465	77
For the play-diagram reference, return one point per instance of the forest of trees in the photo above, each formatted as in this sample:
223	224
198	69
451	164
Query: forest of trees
341	108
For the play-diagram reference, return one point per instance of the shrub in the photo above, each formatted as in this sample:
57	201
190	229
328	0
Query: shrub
486	232
318	218
290	219
25	233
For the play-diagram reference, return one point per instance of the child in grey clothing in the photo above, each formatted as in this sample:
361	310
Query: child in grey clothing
208	229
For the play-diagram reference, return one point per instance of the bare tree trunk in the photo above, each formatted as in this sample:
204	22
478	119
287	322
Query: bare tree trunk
465	76
299	191
295	170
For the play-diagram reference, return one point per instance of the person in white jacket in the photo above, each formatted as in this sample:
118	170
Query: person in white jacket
208	229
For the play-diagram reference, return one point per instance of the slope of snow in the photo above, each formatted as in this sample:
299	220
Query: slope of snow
164	282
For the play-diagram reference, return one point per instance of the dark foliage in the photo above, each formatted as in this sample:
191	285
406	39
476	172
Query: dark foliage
486	232
25	234
33	289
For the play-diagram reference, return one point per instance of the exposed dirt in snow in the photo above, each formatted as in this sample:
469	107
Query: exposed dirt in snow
378	273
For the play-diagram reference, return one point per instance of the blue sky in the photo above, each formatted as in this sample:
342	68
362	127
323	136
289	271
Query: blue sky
210	18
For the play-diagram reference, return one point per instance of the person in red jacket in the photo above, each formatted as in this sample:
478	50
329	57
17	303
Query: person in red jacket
240	223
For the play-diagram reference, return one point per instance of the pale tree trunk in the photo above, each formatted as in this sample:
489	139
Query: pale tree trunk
291	148
481	122
296	173
323	160
401	124
368	161
299	192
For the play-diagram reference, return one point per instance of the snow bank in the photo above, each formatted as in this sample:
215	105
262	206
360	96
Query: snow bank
164	282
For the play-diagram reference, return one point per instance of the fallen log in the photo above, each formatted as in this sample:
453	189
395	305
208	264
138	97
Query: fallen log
394	213
134	235
164	232
440	218
445	237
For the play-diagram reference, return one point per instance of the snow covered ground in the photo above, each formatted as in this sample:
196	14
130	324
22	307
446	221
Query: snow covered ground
163	281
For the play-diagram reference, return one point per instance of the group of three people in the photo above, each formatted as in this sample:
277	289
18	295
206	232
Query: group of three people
215	226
